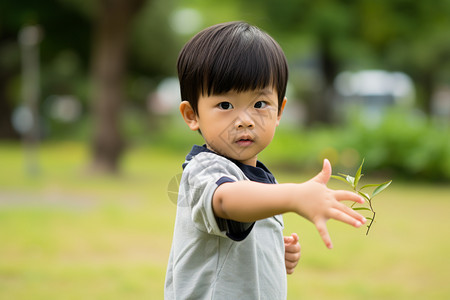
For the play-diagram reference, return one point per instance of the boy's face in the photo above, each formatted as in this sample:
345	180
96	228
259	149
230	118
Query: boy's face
237	125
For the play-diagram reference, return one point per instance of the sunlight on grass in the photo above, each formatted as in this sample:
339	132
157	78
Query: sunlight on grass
67	234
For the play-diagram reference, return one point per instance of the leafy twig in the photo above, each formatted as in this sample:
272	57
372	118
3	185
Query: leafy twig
353	182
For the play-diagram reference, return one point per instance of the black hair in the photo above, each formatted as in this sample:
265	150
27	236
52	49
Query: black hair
231	56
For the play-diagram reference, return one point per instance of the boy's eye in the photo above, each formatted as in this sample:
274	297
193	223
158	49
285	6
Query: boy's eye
225	105
260	104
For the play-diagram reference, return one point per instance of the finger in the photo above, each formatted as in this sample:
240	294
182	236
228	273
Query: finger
295	237
292	257
287	240
291	264
295	248
347	217
325	174
347	210
341	195
291	240
351	212
290	270
323	231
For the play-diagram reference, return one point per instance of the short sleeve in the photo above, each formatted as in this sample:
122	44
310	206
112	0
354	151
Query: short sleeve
201	177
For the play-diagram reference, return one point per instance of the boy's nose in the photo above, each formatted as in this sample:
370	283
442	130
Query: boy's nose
244	121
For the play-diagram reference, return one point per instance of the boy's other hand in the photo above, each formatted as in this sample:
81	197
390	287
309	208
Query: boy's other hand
291	252
324	204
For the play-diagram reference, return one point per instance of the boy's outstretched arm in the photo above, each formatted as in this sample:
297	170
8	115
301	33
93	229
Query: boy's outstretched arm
248	201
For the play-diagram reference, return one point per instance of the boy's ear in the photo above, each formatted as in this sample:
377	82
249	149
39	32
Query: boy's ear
281	110
189	116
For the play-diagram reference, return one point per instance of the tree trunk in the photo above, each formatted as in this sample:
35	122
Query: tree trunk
109	57
6	128
6	108
428	89
321	107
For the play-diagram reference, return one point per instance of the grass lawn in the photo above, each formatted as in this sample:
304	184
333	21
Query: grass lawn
65	234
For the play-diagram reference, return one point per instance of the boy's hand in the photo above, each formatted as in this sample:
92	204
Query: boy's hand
324	204
291	252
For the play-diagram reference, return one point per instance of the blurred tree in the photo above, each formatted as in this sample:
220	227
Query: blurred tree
109	57
154	47
8	69
56	20
83	35
124	60
420	44
406	35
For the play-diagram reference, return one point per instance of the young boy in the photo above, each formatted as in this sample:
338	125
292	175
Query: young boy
228	241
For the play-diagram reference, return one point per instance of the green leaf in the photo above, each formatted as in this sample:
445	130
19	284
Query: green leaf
381	188
368	218
358	173
350	180
365	195
370	185
361	208
339	178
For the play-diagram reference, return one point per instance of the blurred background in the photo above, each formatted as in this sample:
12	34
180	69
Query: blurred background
91	142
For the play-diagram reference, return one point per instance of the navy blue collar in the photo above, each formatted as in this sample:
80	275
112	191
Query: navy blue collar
260	173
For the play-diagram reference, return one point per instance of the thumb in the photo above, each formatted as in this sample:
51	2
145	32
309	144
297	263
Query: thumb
325	174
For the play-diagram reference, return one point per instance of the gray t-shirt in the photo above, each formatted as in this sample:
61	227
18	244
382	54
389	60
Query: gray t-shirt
213	258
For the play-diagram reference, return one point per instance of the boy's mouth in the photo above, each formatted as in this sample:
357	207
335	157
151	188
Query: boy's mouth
245	141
